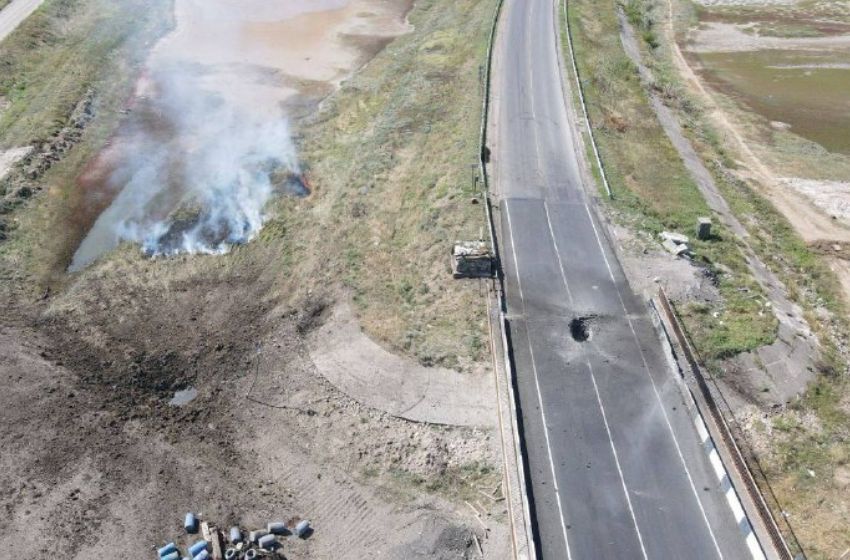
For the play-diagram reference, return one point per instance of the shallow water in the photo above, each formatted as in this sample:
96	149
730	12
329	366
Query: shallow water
807	90
195	161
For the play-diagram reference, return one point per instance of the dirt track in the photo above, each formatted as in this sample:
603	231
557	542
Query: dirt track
12	15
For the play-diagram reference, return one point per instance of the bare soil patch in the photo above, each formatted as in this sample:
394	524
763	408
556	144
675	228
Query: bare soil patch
730	37
10	157
350	360
108	355
832	197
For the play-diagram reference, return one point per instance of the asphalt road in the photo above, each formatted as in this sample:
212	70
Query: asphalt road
616	467
12	15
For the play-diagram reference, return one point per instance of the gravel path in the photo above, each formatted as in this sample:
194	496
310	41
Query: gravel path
12	15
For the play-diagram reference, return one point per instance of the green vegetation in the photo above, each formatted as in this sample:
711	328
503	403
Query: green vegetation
457	483
653	190
392	155
466	482
62	50
778	85
4	3
65	51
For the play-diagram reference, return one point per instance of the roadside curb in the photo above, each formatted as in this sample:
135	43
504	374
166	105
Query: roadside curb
522	535
754	518
580	90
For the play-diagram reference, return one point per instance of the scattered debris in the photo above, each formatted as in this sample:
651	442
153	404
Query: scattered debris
303	529
675	243
472	259
255	536
676	249
167	549
196	548
276	528
677	238
261	542
268	542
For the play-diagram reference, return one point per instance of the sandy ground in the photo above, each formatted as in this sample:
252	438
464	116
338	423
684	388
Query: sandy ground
818	210
649	267
10	157
346	357
831	197
12	15
774	374
97	474
814	209
811	224
728	37
746	2
264	54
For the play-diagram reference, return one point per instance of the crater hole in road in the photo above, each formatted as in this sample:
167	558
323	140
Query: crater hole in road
580	328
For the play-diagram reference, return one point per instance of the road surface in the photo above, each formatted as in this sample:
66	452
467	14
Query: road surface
12	15
615	464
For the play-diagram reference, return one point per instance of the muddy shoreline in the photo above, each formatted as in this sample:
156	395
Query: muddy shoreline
241	66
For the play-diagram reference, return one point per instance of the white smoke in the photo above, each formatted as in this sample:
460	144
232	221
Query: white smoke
194	171
222	156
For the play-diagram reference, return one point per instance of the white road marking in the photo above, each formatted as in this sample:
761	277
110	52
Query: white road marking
616	460
701	429
735	504
596	389
557	252
530	67
716	463
755	548
652	382
537	385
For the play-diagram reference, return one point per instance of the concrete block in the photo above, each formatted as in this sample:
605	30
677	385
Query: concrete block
703	228
676	238
677	249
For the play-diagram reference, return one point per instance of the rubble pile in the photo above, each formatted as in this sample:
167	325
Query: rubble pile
237	544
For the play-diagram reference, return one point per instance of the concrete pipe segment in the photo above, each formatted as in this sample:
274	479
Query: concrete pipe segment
276	528
196	548
167	549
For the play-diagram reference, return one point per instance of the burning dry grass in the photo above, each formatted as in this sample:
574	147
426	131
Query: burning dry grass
389	158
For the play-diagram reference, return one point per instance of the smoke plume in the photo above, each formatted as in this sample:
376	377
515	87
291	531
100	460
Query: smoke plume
193	170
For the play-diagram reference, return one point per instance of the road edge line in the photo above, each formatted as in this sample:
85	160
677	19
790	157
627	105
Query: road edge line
522	535
751	512
580	90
